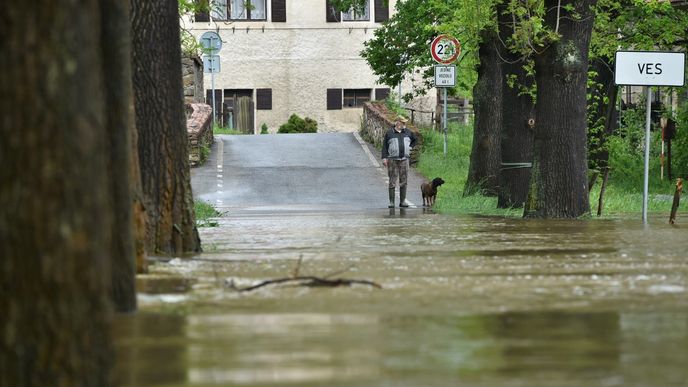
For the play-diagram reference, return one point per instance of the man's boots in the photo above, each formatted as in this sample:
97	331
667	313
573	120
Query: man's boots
391	198
402	197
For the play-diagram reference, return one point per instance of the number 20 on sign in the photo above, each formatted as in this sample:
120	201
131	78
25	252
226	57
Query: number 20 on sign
445	49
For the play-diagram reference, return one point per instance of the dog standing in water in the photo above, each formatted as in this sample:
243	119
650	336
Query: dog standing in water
429	191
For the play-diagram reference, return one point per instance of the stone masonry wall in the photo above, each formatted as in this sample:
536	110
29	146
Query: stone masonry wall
199	129
192	78
377	119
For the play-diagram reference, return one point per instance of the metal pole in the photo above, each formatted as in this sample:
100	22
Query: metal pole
444	124
212	83
399	93
647	152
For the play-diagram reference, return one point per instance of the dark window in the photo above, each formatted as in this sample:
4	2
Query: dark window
247	9
331	13
264	99
203	16
381	11
334	99
279	11
356	97
381	94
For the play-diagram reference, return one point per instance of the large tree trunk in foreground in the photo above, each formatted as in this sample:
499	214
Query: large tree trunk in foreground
518	115
55	222
483	171
559	186
161	125
120	127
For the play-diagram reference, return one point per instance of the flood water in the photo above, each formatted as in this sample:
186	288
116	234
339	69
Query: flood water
465	301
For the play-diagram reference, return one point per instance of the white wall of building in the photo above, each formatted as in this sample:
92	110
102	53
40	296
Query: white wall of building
299	60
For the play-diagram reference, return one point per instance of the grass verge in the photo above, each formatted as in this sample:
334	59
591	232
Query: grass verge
204	214
221	130
619	198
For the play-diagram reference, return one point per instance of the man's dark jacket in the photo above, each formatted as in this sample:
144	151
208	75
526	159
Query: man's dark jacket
398	145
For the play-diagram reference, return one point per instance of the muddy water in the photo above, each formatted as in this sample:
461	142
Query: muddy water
466	301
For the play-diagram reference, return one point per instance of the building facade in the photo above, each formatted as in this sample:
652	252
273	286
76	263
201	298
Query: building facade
283	57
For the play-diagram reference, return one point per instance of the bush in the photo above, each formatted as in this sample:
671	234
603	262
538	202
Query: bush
264	128
296	124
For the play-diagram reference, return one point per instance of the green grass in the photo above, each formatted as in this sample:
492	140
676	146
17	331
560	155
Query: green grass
454	169
204	214
221	130
622	197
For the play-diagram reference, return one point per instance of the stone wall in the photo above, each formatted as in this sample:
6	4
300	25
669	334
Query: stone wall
192	77
199	129
377	119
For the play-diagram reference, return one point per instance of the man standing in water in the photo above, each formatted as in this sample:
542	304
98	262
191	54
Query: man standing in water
396	151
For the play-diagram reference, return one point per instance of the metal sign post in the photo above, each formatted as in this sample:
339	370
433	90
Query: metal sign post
649	68
212	44
444	49
646	177
445	76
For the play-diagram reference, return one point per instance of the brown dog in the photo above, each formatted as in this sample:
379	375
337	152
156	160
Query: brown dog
429	191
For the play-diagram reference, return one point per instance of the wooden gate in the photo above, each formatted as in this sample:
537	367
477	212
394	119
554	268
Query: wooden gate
243	115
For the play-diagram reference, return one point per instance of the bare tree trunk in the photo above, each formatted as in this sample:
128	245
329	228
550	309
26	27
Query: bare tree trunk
559	186
483	171
601	114
161	124
518	117
56	218
120	126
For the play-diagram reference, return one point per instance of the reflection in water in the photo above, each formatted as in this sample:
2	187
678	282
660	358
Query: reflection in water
536	349
465	301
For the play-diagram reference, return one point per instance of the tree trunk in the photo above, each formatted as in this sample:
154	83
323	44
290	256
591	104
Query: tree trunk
518	117
602	113
559	189
55	222
161	124
120	125
483	172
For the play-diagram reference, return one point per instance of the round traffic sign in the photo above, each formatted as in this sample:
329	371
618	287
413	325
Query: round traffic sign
445	49
211	42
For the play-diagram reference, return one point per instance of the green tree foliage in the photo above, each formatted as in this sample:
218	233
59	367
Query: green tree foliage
190	46
402	45
296	124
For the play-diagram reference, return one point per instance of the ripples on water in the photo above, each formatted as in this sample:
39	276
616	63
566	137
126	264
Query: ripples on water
466	301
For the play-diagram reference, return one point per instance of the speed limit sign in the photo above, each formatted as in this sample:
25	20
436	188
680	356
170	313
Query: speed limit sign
445	49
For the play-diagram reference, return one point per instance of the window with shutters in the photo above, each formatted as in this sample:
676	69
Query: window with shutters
202	15
264	99
356	97
334	99
357	14
278	9
381	94
381	12
247	9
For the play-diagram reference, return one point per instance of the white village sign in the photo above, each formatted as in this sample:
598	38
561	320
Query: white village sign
649	68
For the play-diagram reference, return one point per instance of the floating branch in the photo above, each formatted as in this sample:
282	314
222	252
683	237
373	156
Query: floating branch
310	281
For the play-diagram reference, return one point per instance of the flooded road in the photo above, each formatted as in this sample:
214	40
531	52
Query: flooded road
465	301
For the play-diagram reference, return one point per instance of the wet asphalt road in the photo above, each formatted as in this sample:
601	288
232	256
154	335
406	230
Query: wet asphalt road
295	172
